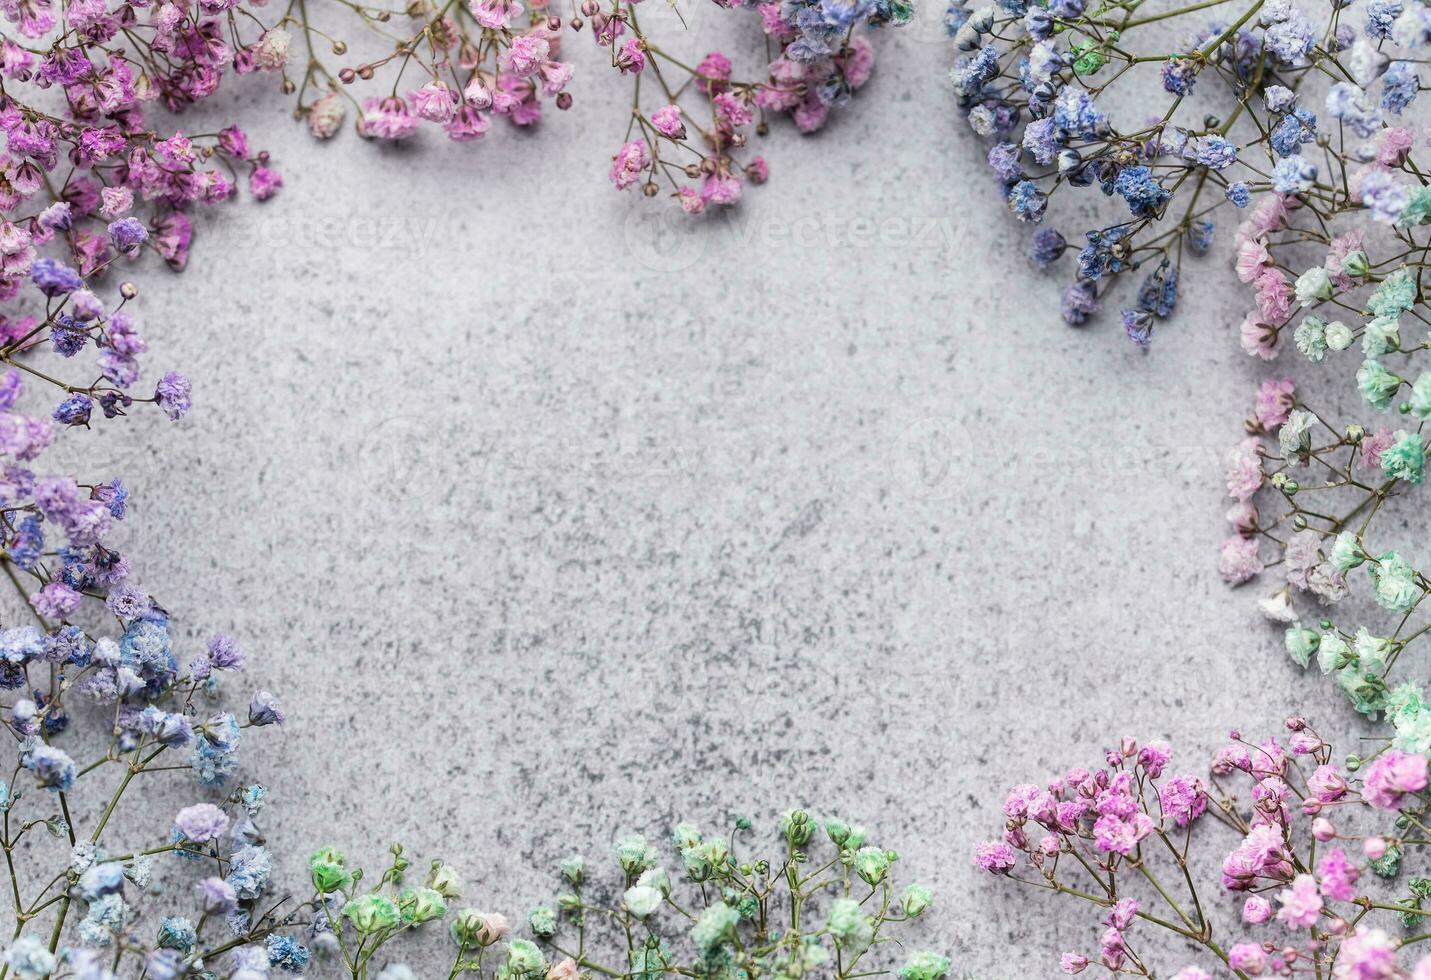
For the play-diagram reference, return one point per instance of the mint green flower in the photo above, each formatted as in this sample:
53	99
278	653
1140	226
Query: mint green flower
1404	701
1417	210
916	899
573	868
642	900
1394	580
1347	552
1405	459
1395	295
1382	335
849	926
925	966
1313	286
1367	691
1311	338
371	914
1339	335
524	958
634	854
1413	733
325	867
871	864
542	920
1333	654
715	926
446	881
1372	652
1355	264
1420	400
419	905
1301	643
1376	384
686	835
656	878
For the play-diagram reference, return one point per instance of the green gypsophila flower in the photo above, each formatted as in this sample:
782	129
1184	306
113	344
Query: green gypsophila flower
715	926
524	959
1347	552
1405	458
372	913
642	900
1301	644
925	966
1311	338
849	926
1376	384
1394	581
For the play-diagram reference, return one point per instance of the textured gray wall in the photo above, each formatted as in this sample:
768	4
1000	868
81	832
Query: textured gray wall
552	513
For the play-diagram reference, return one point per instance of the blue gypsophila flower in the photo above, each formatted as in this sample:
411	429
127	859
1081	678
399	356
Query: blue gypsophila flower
287	954
1067	9
1041	140
128	234
1027	201
1238	194
1038	22
1143	194
1384	195
1278	98
1214	152
1352	106
54	278
1159	293
1296	128
1102	254
1292	38
1412	29
1138	325
955	16
1080	301
249	870
970	75
27	544
177	933
1074	112
52	767
74	410
1399	86
1294	175
1004	160
215	753
1200	237
1179	75
67	337
1380	15
1046	247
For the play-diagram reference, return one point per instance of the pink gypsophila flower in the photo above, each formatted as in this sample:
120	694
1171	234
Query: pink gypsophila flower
1391	776
1301	904
1338	876
1240	560
1275	399
630	161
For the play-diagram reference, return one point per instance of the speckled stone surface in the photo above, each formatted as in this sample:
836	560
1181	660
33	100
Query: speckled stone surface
553	514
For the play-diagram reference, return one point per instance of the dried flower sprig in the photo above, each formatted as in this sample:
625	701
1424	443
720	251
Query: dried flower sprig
1311	857
458	63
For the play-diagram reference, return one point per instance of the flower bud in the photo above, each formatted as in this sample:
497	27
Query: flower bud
1355	264
916	899
1323	830
421	905
476	928
371	914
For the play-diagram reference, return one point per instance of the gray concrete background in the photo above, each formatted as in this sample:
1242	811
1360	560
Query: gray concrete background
552	513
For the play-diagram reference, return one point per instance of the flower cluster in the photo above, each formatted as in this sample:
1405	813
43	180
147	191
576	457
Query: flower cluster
1308	856
455	65
796	913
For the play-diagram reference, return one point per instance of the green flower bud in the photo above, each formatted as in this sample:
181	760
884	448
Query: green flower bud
568	901
573	869
371	914
445	880
871	864
838	831
916	899
642	900
686	835
797	827
419	905
634	854
524	958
